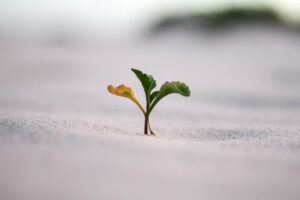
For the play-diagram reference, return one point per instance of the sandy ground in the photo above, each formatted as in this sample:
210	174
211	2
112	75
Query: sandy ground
63	136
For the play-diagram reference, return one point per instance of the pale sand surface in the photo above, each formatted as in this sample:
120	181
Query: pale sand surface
63	136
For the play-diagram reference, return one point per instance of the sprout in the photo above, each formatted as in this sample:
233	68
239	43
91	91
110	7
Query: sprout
152	98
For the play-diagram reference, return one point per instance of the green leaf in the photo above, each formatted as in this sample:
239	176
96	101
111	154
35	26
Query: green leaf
173	87
153	95
169	88
148	83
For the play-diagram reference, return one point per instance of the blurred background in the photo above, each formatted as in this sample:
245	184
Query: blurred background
229	51
94	21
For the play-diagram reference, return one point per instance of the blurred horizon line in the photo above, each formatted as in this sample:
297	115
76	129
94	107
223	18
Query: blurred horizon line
67	24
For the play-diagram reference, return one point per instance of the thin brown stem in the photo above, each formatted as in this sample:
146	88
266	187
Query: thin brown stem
146	125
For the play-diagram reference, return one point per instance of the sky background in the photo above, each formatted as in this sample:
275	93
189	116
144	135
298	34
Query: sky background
113	18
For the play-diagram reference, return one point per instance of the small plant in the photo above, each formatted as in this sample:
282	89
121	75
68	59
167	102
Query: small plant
152	98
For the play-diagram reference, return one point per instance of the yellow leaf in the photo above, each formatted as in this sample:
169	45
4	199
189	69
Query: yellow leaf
124	91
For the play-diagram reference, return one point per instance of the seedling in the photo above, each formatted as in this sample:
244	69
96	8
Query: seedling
152	98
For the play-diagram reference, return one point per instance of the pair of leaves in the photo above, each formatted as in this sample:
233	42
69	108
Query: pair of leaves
149	84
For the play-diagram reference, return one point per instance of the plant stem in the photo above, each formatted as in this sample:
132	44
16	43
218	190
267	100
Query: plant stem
146	125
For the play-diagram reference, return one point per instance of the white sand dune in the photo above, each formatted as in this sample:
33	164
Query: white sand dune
63	136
